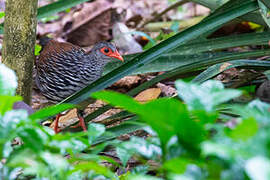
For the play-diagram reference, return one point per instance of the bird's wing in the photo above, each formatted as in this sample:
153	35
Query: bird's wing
55	51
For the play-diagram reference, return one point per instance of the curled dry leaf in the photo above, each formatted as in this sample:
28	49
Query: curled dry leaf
127	82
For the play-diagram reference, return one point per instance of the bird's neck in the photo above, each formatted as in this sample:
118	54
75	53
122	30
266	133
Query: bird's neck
95	62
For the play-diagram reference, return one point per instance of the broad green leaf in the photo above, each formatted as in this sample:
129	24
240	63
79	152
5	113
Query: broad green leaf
246	129
205	96
216	149
55	161
124	154
8	81
258	168
10	121
95	167
266	3
140	169
94	131
50	111
165	124
140	177
116	131
68	145
142	147
177	165
31	139
255	109
118	99
6	103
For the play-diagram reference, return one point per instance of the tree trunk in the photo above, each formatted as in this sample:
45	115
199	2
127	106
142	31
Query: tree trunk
19	42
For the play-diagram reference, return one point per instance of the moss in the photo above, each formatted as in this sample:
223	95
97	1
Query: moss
19	42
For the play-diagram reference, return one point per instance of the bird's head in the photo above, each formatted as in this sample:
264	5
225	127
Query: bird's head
106	51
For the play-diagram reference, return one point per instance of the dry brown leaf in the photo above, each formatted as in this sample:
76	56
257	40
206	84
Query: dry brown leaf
127	82
148	95
69	118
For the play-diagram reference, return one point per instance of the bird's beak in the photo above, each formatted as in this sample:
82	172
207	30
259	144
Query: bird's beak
116	55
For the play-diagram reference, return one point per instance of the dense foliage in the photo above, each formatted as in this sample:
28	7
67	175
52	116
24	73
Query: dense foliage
206	132
201	138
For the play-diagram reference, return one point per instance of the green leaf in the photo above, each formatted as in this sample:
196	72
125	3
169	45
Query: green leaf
49	18
221	67
2	14
10	121
267	74
56	7
205	96
32	139
165	124
264	12
8	81
95	131
255	109
50	111
246	129
7	102
177	165
142	147
258	168
95	167
118	99
144	177
266	3
116	131
37	49
124	155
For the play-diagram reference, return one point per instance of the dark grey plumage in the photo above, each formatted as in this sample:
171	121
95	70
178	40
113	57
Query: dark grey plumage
63	68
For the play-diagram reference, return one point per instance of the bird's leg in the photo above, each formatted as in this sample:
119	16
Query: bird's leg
56	129
81	121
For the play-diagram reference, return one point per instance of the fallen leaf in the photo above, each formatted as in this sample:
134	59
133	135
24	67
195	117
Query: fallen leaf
67	119
148	95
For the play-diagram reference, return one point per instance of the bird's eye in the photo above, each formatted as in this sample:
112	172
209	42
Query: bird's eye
106	50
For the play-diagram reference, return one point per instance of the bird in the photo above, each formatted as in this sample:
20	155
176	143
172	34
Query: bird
63	69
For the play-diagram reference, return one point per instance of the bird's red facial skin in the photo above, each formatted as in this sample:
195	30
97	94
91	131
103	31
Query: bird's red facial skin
108	52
